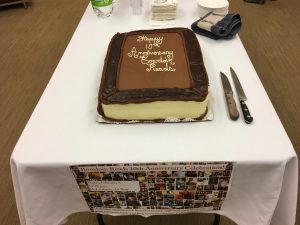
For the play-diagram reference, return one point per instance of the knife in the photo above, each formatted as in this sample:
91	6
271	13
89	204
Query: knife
232	110
242	97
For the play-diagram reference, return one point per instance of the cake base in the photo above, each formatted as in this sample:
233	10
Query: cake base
155	110
207	116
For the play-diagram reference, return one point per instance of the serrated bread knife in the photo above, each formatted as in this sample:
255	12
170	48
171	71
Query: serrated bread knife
242	97
232	110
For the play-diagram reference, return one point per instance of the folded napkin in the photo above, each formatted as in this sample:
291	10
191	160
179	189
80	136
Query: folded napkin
218	26
163	12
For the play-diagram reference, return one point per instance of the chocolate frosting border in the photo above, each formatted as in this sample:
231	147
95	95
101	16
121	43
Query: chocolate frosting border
109	94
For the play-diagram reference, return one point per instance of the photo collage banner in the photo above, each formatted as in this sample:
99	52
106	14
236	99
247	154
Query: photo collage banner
154	188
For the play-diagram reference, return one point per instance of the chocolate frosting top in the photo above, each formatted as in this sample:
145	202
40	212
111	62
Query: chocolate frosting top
153	60
152	65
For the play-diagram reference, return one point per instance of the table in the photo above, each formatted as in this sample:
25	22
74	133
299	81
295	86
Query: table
62	131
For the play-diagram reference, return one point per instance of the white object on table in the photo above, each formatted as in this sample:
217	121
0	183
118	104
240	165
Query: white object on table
62	131
217	6
163	12
136	6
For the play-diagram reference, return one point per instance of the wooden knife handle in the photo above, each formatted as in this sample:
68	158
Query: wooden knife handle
247	116
232	109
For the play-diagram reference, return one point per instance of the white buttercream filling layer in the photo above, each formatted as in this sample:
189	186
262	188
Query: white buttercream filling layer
156	110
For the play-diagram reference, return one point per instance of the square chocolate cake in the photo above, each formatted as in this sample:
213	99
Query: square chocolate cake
153	75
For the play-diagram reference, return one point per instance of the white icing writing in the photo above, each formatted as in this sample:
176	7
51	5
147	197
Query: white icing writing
157	61
155	41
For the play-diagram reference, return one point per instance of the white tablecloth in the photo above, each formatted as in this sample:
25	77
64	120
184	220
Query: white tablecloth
62	131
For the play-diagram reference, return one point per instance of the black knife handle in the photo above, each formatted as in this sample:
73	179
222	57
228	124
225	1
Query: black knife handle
247	116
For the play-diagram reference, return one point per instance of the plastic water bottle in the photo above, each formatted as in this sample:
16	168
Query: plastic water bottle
102	8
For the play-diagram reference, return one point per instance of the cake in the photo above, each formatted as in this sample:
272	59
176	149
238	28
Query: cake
153	75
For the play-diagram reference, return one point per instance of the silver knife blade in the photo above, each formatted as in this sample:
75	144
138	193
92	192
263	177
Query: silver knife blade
225	82
242	97
231	105
239	89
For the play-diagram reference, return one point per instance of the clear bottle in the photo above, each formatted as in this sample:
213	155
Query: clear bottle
102	8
